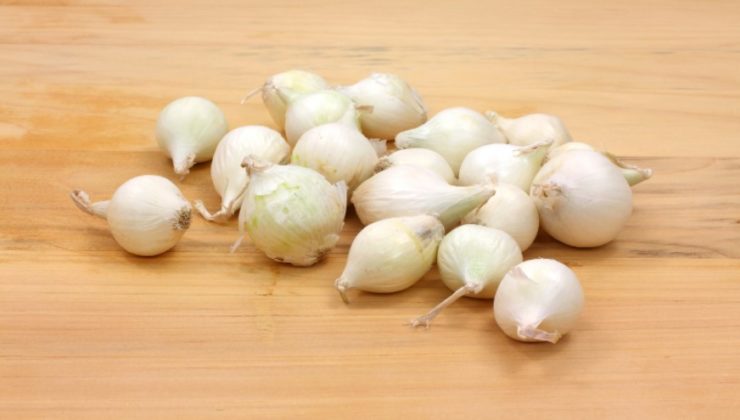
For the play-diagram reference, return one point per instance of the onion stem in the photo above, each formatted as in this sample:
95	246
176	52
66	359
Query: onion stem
82	201
427	318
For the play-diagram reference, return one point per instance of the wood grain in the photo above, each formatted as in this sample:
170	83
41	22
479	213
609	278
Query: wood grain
88	331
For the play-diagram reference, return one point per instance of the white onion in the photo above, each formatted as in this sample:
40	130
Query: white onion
582	198
410	190
567	147
632	173
147	214
453	133
395	105
337	151
292	214
391	255
472	260
538	300
503	163
317	108
531	128
279	90
188	130
229	177
510	210
423	158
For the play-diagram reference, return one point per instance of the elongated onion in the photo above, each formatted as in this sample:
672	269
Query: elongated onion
391	255
410	190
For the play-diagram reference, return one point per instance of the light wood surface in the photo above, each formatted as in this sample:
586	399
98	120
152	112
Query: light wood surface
88	331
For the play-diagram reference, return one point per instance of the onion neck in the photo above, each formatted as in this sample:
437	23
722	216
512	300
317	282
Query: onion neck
535	152
219	216
411	138
255	165
229	204
342	288
530	331
498	121
82	201
633	174
182	162
379	145
479	196
251	93
426	319
237	243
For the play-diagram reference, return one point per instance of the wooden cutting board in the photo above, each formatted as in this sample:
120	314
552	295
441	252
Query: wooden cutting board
88	331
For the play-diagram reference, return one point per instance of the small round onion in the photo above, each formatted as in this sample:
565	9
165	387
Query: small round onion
423	158
582	198
510	210
337	151
538	300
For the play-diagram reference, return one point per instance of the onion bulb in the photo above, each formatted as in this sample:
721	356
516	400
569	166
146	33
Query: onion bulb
317	108
147	215
567	147
292	214
453	133
337	151
472	260
582	198
510	210
229	177
538	300
283	88
632	173
503	163
391	255
396	105
531	128
188	130
410	190
423	158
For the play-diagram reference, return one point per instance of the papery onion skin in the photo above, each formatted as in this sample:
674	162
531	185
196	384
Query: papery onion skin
292	214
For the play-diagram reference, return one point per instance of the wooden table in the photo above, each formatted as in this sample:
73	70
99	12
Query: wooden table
88	331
